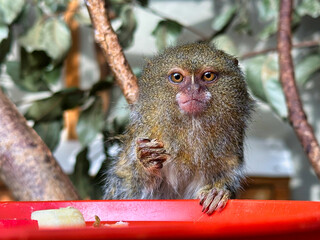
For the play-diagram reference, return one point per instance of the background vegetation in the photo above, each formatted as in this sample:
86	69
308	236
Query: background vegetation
35	40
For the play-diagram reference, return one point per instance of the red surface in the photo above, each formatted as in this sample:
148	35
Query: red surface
165	219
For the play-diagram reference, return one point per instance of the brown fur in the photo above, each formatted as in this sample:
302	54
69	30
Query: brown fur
206	151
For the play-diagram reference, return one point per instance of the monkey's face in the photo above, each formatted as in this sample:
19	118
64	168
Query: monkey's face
192	86
193	80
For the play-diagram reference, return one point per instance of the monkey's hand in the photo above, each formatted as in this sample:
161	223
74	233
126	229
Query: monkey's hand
213	198
151	153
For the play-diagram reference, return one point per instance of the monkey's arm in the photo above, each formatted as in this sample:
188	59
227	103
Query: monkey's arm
137	170
215	196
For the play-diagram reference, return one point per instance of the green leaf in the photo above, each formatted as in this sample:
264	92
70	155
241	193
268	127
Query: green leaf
268	13
143	3
269	30
267	9
118	118
72	97
53	6
4	32
276	97
306	68
91	122
272	86
5	42
27	18
49	132
13	70
311	8
28	74
52	108
48	109
80	176
9	10
224	18
263	79
35	72
51	36
82	16
128	26
100	86
52	76
166	33
242	23
253	69
226	44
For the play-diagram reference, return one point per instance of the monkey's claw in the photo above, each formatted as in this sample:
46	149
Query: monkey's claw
151	153
214	199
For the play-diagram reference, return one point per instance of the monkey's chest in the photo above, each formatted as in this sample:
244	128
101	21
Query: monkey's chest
180	183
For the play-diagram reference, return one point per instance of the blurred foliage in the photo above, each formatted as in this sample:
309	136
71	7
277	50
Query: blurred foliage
35	40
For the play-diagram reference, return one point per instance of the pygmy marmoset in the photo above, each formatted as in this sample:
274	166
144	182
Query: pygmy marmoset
186	131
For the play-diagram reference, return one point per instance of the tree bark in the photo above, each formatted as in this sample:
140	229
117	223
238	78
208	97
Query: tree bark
297	116
27	166
108	41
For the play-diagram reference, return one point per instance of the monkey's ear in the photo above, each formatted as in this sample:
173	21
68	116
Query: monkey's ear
235	61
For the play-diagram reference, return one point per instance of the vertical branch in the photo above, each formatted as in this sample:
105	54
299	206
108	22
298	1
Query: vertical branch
108	41
297	116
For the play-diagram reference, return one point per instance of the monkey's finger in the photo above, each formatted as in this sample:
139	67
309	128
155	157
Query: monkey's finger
209	198
151	160
151	144
145	152
159	158
223	201
160	155
222	204
154	162
215	202
202	198
157	143
143	140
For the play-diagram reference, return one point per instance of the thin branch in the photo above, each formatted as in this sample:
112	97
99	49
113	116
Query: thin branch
267	50
108	41
297	116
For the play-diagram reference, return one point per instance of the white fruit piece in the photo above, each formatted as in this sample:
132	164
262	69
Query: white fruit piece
63	217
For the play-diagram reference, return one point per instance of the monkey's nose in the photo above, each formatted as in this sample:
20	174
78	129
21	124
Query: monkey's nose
194	87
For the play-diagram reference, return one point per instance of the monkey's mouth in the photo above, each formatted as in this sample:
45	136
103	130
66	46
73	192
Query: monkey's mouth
193	106
192	100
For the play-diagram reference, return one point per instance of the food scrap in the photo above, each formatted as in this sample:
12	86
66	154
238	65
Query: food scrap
63	217
98	224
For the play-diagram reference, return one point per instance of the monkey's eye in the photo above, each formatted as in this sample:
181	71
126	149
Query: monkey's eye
209	76
176	77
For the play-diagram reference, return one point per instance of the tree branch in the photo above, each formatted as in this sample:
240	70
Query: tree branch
108	41
27	166
297	116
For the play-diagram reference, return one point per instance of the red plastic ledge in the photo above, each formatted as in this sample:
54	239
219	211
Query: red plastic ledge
170	219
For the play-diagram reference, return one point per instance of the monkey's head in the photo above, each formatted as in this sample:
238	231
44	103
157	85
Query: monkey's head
193	80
